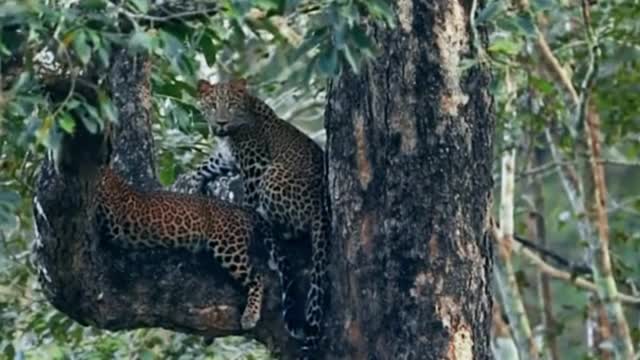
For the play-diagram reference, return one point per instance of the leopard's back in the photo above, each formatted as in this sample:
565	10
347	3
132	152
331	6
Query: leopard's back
167	220
157	219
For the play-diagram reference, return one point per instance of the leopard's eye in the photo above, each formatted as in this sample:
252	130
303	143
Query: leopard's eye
207	104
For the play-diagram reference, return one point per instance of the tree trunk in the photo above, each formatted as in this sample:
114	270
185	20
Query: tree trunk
109	288
409	144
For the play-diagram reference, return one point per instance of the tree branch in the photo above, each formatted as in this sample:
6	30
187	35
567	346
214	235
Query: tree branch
573	268
550	61
183	15
556	273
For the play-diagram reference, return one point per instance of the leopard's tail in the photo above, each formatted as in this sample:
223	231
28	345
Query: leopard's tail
279	262
314	306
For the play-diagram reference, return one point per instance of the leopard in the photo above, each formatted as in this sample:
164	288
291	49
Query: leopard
283	175
136	219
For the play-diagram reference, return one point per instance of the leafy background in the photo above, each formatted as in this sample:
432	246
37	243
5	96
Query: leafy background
289	49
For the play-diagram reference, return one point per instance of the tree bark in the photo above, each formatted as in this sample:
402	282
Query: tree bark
102	286
409	143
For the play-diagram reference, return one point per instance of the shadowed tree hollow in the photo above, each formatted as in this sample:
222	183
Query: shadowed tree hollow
409	146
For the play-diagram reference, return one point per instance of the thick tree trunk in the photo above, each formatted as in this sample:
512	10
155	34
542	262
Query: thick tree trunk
409	154
104	287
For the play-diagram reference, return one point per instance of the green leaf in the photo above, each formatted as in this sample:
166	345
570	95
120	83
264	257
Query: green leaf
146	355
67	123
381	9
508	24
92	4
107	110
348	55
526	24
167	175
542	85
506	46
490	12
339	35
9	197
103	55
209	49
90	119
142	5
172	45
4	50
9	351
317	37
328	61
81	47
22	80
540	5
269	4
140	40
360	38
8	221
180	116
467	63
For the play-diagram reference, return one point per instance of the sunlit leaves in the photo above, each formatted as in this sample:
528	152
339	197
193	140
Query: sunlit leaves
82	49
107	110
506	46
143	40
67	123
381	10
526	24
142	5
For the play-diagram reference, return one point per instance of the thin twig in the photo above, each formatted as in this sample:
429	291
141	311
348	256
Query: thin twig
179	15
569	277
560	260
550	61
550	166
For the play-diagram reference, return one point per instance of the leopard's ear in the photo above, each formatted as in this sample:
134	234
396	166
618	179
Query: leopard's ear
239	84
204	86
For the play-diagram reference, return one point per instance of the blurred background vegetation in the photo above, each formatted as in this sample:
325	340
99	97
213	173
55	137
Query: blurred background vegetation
289	50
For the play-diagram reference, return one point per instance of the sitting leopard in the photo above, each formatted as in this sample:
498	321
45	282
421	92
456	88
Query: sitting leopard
160	219
283	176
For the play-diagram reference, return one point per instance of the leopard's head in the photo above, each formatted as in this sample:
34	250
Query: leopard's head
226	105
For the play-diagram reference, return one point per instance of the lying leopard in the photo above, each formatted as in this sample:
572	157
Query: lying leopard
159	219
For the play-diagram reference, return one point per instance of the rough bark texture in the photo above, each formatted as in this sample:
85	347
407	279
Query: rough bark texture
409	155
101	286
